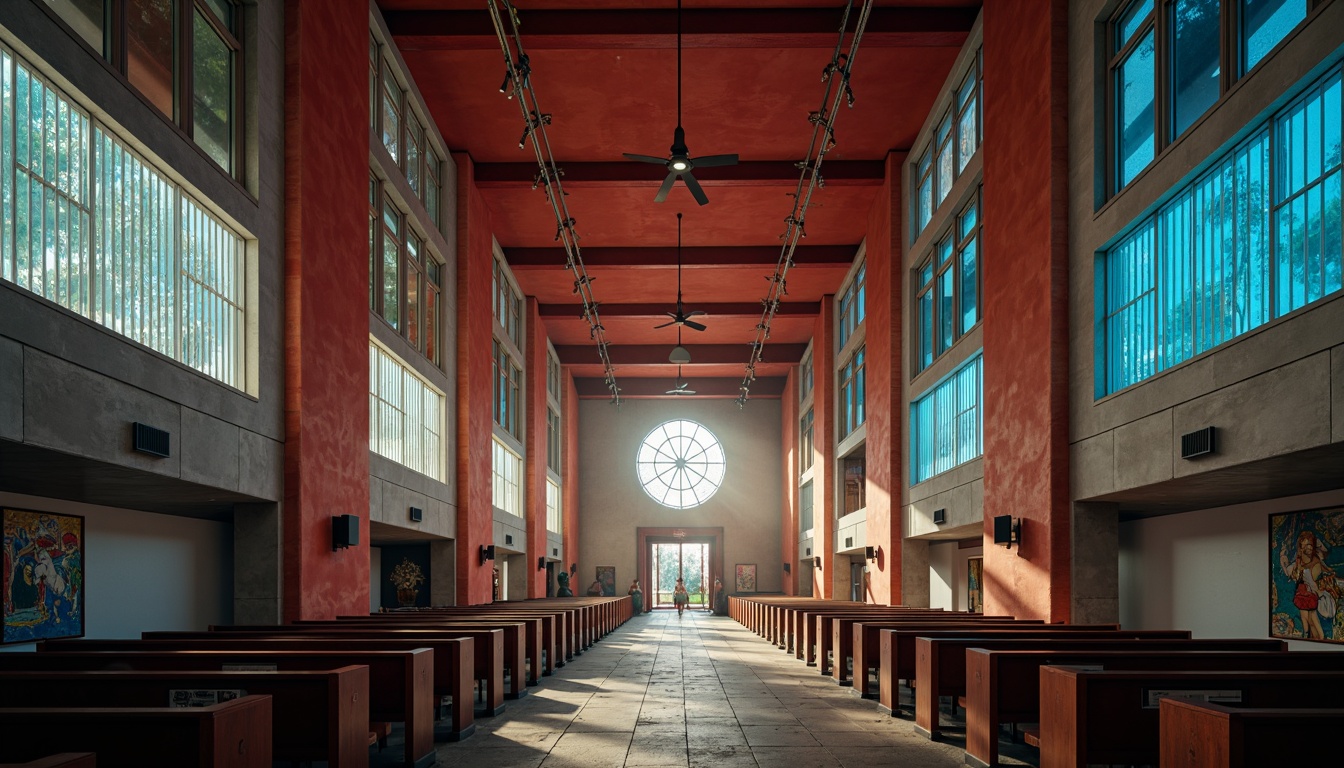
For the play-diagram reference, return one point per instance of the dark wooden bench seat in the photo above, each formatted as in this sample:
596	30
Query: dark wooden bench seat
898	662
1003	683
864	644
235	734
62	760
1111	717
454	662
1201	735
940	663
401	683
315	715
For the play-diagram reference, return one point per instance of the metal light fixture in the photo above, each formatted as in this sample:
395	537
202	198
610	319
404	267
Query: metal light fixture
680	355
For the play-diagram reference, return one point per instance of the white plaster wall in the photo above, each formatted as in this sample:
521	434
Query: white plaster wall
1206	571
145	571
612	505
943	575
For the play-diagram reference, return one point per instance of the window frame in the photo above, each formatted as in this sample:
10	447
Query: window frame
924	167
1232	56
951	240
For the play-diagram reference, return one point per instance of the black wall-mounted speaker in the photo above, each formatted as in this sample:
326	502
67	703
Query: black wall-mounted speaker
344	531
417	514
849	542
508	538
939	516
151	440
555	551
1197	443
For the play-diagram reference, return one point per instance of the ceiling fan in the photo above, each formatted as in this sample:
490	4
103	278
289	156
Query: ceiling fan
682	386
681	317
679	163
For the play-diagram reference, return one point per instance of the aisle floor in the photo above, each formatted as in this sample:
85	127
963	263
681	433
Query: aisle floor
699	690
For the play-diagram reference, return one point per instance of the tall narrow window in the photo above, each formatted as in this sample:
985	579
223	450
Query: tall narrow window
1264	23
806	446
212	84
391	113
391	262
86	17
968	266
805	509
1194	60
1135	73
149	51
851	394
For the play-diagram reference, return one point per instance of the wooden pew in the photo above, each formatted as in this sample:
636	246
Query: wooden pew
897	653
1003	682
1105	717
819	630
235	734
1201	735
63	760
866	644
941	663
489	662
315	715
454	662
401	683
846	642
551	636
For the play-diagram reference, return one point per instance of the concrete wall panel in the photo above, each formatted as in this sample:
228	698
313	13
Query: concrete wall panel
11	390
1143	452
210	450
1284	410
1092	466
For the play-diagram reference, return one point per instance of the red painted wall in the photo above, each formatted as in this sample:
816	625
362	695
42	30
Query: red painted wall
885	406
1025	274
326	306
823	436
534	466
788	509
475	401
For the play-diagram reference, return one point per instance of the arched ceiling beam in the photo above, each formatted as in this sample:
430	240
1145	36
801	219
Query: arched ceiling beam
899	27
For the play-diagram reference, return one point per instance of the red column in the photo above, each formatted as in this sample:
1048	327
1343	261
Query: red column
823	436
885	406
1026	333
475	401
534	466
326	307
788	510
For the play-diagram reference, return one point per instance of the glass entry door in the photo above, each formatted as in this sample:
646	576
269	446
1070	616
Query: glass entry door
688	561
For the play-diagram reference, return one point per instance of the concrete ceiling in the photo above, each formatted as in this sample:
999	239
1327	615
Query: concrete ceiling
606	70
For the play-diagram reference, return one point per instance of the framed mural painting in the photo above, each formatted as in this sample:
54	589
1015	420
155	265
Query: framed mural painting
975	595
1306	558
745	577
606	574
43	580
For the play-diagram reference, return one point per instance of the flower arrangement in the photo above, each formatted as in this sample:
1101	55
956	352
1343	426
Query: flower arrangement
407	575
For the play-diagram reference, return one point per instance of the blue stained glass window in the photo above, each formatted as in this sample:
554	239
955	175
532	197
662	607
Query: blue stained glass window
1255	237
946	422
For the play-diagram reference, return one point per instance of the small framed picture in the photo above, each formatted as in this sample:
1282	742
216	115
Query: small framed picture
744	577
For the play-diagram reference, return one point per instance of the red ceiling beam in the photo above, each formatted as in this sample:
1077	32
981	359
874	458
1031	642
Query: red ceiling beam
666	258
741	309
902	27
839	173
767	387
656	354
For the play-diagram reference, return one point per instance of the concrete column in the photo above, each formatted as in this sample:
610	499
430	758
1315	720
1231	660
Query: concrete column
1026	306
326	306
475	382
257	557
1096	563
442	572
884	316
914	573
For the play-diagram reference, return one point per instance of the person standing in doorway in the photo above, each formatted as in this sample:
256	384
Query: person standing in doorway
680	597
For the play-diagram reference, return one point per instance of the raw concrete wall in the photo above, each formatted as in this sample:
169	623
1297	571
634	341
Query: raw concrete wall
613	504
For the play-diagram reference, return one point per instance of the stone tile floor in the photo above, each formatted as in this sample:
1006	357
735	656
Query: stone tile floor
696	691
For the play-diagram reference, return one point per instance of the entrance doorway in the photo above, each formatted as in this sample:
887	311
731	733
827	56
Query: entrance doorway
688	561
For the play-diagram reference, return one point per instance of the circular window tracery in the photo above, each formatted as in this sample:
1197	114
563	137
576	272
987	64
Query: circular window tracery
680	464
